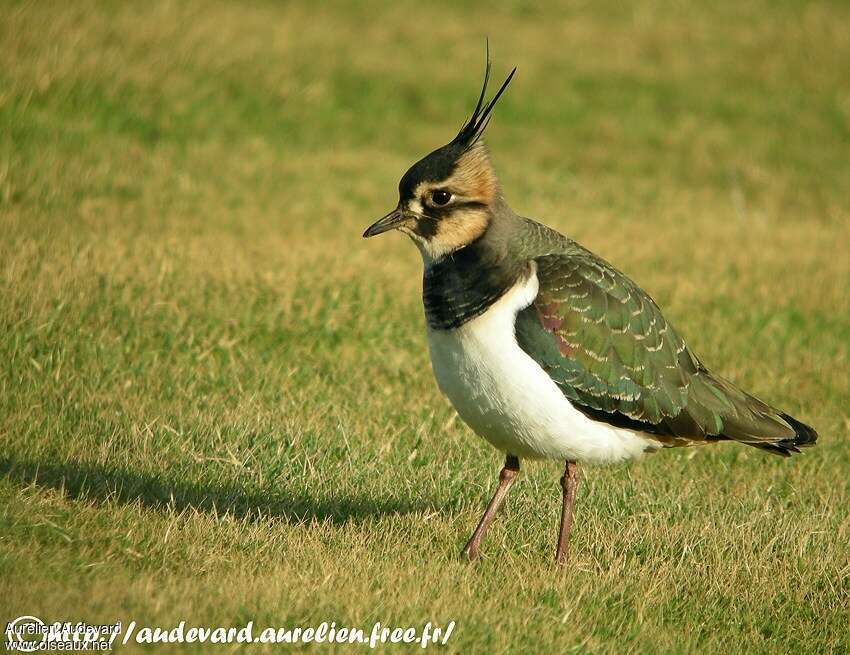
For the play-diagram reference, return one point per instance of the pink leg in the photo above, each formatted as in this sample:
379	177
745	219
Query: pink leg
506	479
569	483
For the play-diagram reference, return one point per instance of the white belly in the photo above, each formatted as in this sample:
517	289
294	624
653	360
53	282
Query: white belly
510	401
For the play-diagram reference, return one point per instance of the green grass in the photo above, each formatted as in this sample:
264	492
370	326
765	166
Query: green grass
215	398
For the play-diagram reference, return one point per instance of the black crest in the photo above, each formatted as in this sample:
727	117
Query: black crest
439	164
474	127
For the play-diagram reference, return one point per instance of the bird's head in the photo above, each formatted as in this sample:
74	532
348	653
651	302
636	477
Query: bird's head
446	199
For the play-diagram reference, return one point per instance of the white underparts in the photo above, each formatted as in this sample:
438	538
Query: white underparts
510	401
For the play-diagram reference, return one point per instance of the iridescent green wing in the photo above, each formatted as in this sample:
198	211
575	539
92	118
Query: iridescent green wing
605	343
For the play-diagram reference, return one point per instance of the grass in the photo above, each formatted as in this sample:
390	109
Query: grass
215	398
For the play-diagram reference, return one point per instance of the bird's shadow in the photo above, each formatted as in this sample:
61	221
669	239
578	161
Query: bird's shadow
103	484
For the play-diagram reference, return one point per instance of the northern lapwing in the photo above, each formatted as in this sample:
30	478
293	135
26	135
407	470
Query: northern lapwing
545	349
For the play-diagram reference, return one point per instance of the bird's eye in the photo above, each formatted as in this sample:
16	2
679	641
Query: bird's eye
440	197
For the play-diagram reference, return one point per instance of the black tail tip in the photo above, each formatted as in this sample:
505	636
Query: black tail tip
804	436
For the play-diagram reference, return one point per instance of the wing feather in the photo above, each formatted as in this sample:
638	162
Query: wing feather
604	341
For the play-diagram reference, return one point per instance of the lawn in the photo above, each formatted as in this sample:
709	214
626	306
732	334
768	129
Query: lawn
216	403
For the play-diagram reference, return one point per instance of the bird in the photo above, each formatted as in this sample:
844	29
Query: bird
545	349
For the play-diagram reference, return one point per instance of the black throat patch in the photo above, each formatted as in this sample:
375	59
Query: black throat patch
463	285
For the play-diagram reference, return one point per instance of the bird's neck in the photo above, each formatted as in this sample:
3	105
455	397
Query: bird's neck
465	283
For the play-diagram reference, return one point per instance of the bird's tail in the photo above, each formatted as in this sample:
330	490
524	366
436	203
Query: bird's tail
744	418
804	435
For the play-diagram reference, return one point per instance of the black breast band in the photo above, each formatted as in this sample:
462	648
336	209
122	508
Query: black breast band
463	285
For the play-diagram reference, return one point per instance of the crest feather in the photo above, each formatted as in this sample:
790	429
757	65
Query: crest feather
474	127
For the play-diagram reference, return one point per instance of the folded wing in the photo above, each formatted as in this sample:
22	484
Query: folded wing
605	343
